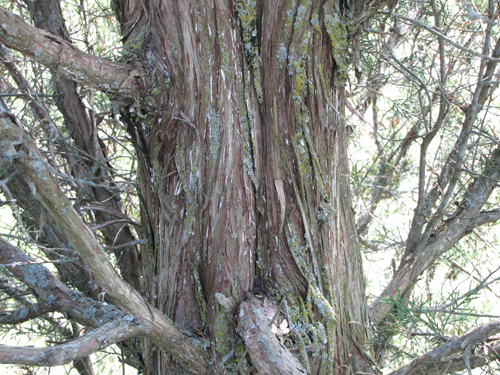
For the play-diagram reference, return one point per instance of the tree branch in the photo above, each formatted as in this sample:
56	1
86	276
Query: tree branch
441	36
446	236
51	290
485	217
16	146
61	56
366	8
439	360
26	313
99	338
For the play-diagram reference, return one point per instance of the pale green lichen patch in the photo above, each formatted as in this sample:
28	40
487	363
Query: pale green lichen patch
223	326
329	319
315	22
299	17
315	162
299	251
337	30
215	125
200	299
302	152
248	144
282	53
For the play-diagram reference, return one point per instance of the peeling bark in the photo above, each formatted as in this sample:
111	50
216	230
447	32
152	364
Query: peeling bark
61	56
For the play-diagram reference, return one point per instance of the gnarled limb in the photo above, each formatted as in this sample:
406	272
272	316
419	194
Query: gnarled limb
100	338
53	291
61	56
26	313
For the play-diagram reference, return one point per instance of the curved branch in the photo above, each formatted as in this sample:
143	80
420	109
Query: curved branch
99	338
61	56
18	147
439	360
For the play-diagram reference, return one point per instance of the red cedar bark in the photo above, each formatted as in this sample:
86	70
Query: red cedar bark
244	170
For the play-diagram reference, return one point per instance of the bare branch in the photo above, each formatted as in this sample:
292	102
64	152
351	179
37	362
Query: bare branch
61	56
100	338
17	146
441	36
449	175
439	360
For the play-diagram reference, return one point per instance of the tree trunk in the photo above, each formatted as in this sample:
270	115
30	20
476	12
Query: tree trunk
244	173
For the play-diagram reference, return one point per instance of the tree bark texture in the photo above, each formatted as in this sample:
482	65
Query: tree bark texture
244	171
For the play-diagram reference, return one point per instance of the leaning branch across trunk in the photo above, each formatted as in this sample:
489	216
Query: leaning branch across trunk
61	56
98	339
17	147
443	359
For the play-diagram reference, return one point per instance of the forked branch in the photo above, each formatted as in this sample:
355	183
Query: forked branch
446	236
